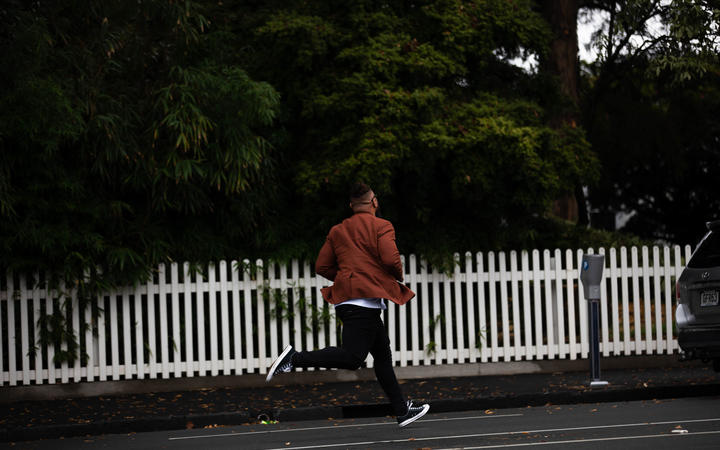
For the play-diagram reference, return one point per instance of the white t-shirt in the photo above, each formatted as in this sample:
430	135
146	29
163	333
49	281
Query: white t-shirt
374	303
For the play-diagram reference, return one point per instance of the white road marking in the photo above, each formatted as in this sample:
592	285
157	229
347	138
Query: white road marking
576	441
507	433
357	425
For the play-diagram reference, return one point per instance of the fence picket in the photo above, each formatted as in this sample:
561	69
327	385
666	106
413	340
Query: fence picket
560	305
516	326
189	322
450	353
285	308
425	303
102	339
163	317
114	354
678	270
37	312
127	352
236	306
12	336
549	302
261	324
627	349
320	307
460	318
493	315
639	343
437	316
658	301
605	345
668	301
295	291
470	280
247	303
485	352
649	342
416	350
3	337
25	334
403	322
212	311
614	301
308	310
527	309
225	319
139	334
200	309
570	278
75	310
504	307
175	312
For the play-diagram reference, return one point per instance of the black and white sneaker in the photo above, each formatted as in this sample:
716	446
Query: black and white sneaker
282	363
413	414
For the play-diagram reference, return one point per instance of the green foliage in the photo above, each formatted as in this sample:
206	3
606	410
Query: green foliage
658	145
651	108
420	101
124	143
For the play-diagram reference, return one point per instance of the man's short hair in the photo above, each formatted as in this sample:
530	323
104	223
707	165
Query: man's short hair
358	190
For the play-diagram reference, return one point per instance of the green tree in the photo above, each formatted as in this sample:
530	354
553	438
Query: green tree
130	135
420	100
650	104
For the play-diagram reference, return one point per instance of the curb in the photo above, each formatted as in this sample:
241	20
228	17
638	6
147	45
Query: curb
599	395
523	400
138	425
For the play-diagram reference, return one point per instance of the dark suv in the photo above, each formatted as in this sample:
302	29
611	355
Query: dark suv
698	310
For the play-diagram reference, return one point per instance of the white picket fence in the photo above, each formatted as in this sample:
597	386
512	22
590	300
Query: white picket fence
235	319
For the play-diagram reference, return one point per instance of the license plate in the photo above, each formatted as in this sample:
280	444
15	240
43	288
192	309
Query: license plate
709	298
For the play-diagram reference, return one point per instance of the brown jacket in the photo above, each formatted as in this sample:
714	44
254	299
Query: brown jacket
361	258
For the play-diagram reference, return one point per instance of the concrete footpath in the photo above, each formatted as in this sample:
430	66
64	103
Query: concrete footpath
210	407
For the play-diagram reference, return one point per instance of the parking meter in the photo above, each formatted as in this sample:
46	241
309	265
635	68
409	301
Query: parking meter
591	275
591	278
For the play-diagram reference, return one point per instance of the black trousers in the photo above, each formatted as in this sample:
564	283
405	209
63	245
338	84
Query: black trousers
363	332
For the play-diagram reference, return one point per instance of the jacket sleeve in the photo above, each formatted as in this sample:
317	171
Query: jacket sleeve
389	254
326	264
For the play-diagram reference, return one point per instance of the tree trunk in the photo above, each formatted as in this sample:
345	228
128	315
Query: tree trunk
563	60
563	64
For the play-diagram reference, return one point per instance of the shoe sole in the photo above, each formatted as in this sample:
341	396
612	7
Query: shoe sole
424	411
275	365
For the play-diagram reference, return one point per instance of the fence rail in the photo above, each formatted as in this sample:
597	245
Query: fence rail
237	316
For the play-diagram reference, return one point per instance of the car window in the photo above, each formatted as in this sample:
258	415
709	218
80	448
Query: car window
707	253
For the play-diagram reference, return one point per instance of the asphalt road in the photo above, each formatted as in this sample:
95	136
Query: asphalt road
657	424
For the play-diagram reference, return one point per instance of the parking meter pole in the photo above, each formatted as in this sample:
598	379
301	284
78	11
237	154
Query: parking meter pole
591	277
595	343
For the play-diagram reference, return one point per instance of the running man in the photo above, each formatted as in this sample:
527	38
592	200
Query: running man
361	258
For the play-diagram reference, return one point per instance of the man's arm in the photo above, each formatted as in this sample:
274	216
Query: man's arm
389	254
326	264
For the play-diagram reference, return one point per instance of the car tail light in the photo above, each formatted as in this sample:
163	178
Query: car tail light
677	290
